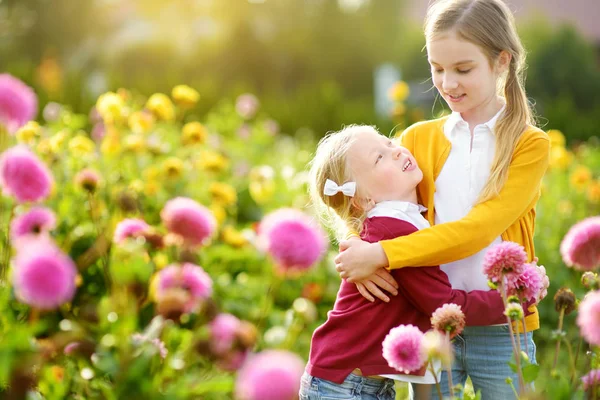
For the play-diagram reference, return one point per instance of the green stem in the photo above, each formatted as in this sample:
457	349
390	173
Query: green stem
512	339
560	325
576	359
449	369
437	383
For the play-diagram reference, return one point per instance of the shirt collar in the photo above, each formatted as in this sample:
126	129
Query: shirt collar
387	208
455	119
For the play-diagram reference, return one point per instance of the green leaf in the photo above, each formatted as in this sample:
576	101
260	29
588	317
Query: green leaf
530	372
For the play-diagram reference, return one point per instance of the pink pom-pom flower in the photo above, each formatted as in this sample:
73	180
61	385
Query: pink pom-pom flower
188	219
23	175
504	259
588	318
291	238
18	103
528	285
223	333
247	105
449	318
44	278
403	348
591	380
270	375
580	247
129	227
38	220
189	277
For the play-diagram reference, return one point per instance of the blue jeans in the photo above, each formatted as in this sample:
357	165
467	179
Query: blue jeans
483	353
353	388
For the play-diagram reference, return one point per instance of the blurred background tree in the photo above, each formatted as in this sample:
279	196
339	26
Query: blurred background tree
311	62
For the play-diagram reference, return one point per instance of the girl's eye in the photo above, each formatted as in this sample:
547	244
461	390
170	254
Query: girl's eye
438	70
464	71
379	157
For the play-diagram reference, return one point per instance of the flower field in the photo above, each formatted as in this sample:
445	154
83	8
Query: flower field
151	252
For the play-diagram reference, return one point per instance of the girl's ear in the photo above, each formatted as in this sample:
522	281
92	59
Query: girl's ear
503	61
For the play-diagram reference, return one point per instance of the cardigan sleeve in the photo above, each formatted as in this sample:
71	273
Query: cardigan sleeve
456	240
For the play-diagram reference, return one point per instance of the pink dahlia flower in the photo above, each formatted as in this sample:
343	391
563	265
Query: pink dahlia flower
189	277
188	219
580	247
44	278
38	220
270	375
87	179
504	258
23	175
18	103
129	227
223	333
403	348
591	379
528	285
589	318
449	318
247	105
292	239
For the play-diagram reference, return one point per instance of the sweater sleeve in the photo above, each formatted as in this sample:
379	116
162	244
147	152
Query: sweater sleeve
456	240
427	289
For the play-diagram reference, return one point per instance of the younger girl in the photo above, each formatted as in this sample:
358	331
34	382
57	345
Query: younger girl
370	184
482	166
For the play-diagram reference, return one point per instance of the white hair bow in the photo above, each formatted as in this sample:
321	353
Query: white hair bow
331	188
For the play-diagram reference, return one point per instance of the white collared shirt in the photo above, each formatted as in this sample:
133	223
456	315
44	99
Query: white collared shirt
404	210
458	186
409	212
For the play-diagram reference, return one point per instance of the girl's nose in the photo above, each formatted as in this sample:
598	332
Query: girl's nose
396	153
449	83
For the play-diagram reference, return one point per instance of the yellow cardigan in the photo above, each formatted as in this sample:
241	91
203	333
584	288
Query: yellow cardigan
511	214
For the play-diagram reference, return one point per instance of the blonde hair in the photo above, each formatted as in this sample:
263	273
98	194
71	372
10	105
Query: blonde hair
490	25
330	162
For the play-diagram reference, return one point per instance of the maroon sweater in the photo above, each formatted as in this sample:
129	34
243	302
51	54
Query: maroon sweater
355	328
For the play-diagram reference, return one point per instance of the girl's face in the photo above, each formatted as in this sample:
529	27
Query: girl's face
382	169
462	74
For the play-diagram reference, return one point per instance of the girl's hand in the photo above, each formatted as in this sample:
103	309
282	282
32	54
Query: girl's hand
382	279
359	259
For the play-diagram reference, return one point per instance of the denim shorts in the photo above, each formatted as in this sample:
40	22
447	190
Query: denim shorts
483	354
353	388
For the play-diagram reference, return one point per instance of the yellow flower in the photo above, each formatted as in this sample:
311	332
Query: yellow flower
233	237
153	286
172	167
57	140
137	185
141	122
212	161
28	133
81	145
194	133
399	92
151	188
134	143
593	192
111	143
581	177
185	96
110	106
223	193
219	212
43	147
161	106
151	173
161	260
261	192
560	157
556	138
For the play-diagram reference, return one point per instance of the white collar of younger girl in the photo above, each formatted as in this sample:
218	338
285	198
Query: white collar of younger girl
403	210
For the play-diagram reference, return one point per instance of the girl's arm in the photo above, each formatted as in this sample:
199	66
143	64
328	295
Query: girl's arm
456	240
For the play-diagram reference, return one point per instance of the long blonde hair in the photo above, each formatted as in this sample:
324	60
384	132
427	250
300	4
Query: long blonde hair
330	162
490	25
